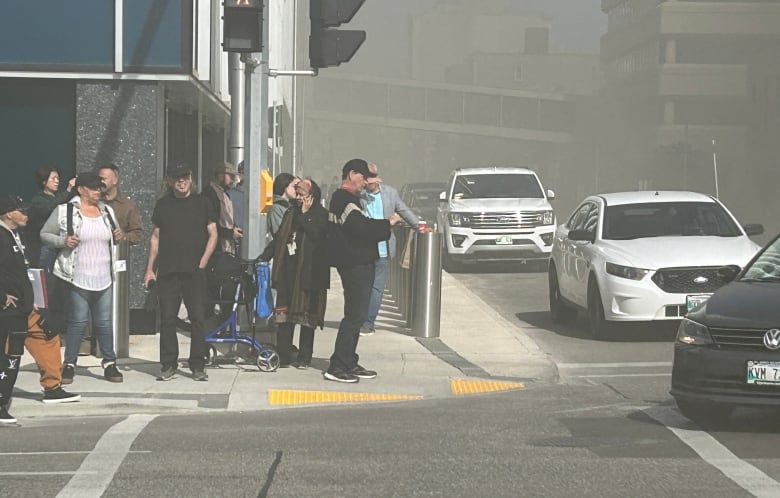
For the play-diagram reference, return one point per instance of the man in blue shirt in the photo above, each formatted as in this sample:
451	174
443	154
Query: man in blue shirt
380	202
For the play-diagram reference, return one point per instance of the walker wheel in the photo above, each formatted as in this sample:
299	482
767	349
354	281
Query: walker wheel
211	356
267	360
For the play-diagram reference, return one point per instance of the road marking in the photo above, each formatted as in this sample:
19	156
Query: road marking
616	365
461	386
105	458
290	397
618	375
28	453
746	476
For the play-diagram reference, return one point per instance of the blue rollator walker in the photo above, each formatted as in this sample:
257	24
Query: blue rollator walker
244	276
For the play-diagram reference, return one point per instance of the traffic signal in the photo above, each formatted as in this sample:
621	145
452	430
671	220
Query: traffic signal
331	47
243	26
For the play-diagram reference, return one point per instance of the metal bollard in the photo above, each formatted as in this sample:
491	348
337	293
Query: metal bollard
120	311
426	312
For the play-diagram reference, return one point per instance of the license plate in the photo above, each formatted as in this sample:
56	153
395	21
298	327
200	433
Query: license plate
695	300
504	240
763	372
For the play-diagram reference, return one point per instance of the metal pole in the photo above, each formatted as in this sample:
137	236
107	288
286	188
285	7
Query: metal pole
427	269
120	311
256	142
715	167
237	99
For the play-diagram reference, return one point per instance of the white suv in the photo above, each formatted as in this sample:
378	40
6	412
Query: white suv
495	214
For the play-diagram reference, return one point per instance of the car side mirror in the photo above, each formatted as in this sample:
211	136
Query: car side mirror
442	196
550	195
729	273
585	235
754	229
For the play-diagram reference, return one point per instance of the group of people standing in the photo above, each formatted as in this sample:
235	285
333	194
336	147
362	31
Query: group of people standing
71	234
365	212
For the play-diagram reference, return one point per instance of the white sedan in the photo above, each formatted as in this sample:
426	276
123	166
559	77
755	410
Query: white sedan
644	256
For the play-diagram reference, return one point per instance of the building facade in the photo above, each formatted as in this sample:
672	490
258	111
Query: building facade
690	89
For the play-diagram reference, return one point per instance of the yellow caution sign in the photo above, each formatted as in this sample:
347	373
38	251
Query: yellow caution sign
266	191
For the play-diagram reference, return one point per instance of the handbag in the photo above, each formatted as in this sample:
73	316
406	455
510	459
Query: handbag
264	304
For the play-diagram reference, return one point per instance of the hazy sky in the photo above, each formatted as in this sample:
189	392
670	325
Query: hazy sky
577	26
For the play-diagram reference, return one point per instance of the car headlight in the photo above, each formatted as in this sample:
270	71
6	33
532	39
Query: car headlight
459	219
690	332
628	272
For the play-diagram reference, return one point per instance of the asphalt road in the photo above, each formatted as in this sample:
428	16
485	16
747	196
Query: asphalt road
608	428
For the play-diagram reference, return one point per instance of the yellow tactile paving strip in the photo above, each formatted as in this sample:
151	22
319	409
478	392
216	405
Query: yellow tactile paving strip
288	397
460	386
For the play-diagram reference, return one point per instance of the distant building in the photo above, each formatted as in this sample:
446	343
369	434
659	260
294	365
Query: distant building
680	74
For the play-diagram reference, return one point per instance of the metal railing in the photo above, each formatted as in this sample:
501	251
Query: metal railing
414	280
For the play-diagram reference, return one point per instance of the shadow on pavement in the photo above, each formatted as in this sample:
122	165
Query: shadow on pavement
624	332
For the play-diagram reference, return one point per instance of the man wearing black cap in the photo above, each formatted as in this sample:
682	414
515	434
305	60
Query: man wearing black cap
182	241
357	271
16	299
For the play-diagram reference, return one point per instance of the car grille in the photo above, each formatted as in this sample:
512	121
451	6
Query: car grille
739	339
505	220
683	280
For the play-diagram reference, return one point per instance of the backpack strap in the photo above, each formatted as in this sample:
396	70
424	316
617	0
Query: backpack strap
69	217
110	218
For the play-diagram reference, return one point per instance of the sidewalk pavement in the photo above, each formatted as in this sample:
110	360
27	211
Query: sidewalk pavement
477	351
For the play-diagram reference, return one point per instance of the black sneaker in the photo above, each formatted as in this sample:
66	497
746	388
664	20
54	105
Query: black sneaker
112	374
338	375
5	417
200	375
301	364
68	371
365	331
59	395
167	373
361	372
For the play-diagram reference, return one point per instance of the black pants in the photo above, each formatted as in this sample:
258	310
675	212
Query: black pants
172	289
13	330
357	282
284	339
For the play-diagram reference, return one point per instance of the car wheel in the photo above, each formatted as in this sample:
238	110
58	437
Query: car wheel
599	327
704	412
558	309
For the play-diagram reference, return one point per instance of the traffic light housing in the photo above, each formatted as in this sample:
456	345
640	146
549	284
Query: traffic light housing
330	47
243	26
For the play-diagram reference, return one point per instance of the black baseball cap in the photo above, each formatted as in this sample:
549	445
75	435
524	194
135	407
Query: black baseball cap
358	166
89	179
178	171
10	203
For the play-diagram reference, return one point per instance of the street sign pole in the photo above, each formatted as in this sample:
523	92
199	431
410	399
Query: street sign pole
256	143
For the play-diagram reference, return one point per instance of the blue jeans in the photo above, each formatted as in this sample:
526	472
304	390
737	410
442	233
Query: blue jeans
79	305
375	302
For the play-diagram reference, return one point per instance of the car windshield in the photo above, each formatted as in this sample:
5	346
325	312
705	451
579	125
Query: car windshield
426	197
496	186
766	267
664	219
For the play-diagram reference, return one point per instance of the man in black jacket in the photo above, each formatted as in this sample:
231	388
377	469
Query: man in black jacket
16	299
357	273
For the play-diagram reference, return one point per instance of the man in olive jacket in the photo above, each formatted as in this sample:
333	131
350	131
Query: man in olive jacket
16	299
357	271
